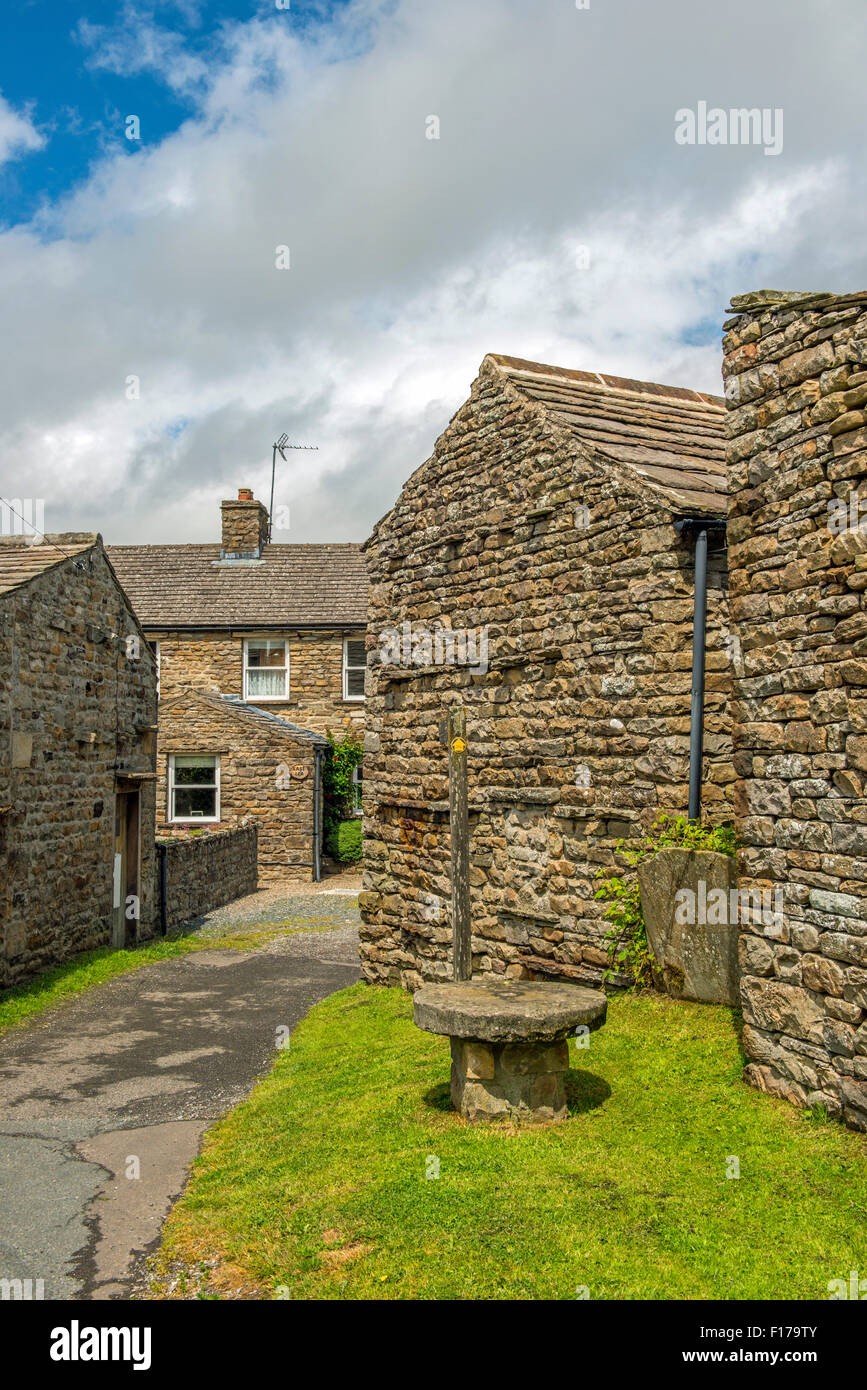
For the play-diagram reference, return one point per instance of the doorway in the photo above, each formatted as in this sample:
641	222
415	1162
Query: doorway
125	884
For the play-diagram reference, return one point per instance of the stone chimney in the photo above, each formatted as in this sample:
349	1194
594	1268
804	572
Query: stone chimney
245	527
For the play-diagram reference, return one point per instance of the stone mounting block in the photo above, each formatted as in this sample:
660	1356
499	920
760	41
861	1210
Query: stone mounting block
508	1042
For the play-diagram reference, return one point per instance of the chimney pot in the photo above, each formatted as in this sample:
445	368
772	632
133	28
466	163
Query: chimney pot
245	527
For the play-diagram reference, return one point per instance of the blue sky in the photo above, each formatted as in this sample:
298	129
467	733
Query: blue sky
161	342
49	70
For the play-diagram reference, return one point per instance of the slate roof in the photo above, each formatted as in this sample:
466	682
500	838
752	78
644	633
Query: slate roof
186	586
671	436
234	705
264	716
20	562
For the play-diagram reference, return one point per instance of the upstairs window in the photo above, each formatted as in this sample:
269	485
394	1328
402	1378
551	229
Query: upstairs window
266	668
354	667
194	787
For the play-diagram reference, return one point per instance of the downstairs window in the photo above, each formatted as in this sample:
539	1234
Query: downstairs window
194	787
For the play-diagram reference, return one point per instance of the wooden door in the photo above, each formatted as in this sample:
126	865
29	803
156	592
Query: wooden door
125	879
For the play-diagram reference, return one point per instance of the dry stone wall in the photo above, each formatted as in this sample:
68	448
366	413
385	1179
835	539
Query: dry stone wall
796	384
207	870
578	726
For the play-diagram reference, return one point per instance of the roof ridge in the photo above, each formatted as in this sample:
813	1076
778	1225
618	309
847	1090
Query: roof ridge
605	381
50	538
215	545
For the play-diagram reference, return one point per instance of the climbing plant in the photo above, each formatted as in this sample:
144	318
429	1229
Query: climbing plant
627	945
342	758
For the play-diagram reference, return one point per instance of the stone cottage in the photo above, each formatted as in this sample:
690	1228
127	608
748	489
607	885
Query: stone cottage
223	762
532	569
277	633
77	750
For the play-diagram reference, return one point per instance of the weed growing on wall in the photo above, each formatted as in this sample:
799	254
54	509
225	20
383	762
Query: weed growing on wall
627	944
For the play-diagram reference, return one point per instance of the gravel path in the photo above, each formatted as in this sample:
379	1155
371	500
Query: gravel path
319	921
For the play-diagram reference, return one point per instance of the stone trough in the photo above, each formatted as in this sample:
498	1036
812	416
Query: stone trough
509	1043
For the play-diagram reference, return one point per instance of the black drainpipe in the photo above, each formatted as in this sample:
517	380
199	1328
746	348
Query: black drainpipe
699	528
164	882
317	815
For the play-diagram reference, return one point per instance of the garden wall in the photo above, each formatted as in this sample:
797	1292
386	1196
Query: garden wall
796	385
207	870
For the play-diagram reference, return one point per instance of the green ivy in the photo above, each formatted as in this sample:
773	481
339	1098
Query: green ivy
341	759
628	948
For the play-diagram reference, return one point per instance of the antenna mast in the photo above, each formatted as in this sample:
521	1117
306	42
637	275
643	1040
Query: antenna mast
279	447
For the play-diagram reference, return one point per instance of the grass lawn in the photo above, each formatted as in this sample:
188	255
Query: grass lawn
317	1186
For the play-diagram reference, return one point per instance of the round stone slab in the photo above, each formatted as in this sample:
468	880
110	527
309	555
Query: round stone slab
505	1011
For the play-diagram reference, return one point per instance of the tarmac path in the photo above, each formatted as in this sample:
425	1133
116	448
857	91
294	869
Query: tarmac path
104	1099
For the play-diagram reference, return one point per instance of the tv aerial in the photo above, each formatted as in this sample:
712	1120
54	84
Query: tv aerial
279	447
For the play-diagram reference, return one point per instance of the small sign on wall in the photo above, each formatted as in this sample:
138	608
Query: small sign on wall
286	775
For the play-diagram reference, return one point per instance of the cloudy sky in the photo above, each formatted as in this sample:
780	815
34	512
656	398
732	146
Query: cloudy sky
155	339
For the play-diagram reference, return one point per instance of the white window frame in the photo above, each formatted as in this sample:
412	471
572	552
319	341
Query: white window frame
170	791
266	699
156	647
357	789
347	668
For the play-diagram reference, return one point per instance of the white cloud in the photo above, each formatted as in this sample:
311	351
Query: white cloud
411	258
137	43
17	133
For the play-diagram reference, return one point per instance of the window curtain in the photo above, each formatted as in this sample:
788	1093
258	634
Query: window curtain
261	681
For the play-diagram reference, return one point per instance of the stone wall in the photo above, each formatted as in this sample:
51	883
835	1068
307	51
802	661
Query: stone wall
796	384
206	870
74	717
266	776
214	661
579	729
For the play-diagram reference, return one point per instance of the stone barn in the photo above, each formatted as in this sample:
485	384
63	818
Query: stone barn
532	569
77	750
538	568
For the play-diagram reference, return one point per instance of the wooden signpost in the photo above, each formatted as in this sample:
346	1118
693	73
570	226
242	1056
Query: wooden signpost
460	844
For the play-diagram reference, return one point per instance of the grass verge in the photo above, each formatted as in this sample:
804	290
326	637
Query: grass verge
320	1185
